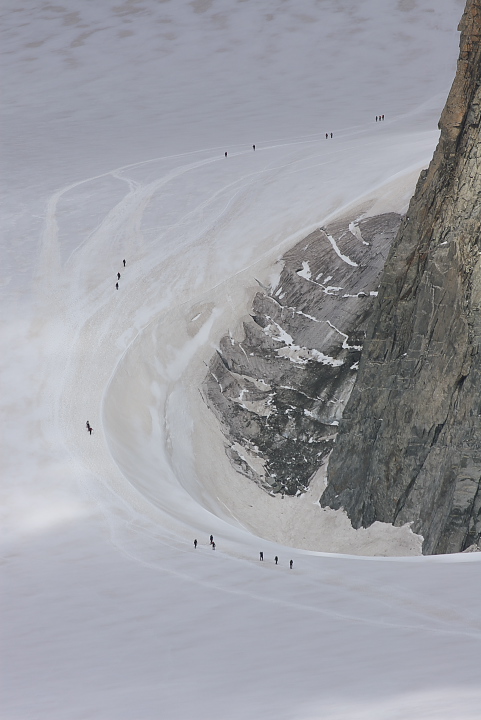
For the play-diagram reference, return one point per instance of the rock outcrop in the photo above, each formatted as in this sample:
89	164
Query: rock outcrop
280	389
409	442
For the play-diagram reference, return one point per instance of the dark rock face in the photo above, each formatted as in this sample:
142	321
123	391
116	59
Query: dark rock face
281	390
409	443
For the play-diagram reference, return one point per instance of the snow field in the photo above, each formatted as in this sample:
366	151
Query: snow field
116	119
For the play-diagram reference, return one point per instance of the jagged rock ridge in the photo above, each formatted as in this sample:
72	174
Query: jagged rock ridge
409	443
279	390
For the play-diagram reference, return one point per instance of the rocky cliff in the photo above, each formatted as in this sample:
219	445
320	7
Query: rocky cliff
409	442
280	384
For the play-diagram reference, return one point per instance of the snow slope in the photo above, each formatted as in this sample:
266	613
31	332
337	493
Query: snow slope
116	117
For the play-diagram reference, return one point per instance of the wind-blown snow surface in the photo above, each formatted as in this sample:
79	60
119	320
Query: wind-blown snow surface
116	116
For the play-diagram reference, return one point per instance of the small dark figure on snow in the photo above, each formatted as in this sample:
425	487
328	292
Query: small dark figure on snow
213	545
87	425
225	154
90	430
382	117
253	147
123	262
291	563
276	559
331	134
261	555
211	539
376	118
327	135
118	276
195	544
116	286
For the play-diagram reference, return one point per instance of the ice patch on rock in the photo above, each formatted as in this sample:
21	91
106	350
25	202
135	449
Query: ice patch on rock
306	271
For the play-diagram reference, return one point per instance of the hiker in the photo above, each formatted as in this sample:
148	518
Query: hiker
327	135
276	559
291	563
261	555
225	154
253	147
87	425
213	545
376	118
116	286
118	276
211	539
195	544
123	262
382	117
331	134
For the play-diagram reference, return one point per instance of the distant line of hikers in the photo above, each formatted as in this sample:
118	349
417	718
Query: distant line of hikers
261	554
87	424
329	135
118	277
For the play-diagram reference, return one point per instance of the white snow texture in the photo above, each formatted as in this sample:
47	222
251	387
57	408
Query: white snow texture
116	116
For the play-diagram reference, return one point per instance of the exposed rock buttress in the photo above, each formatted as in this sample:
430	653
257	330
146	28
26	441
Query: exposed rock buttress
280	387
409	442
